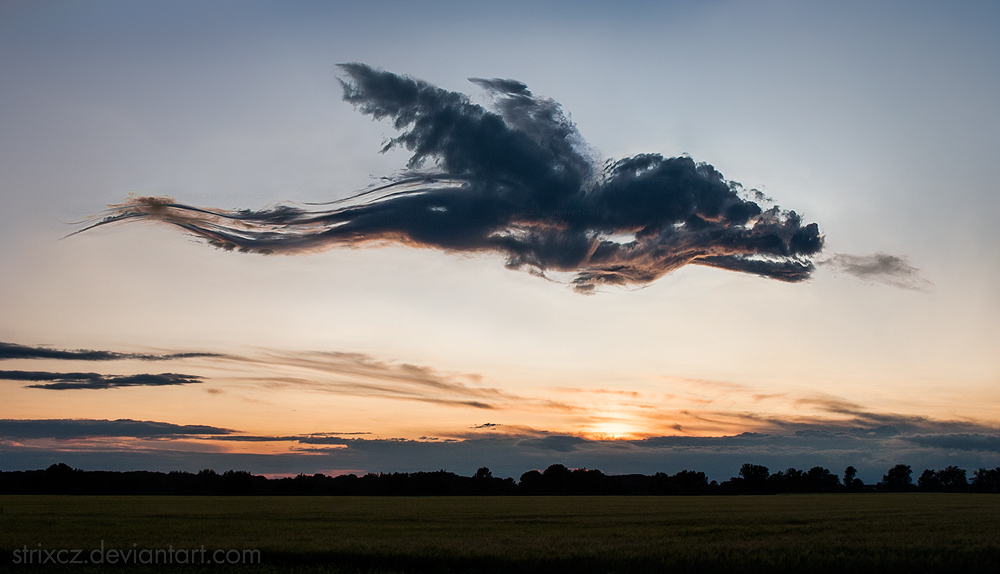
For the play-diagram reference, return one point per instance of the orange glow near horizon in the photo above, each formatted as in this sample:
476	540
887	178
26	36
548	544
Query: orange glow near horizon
274	398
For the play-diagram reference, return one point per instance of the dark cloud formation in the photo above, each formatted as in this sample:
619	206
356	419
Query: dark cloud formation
15	351
879	268
871	451
847	421
556	443
960	441
87	428
519	181
72	381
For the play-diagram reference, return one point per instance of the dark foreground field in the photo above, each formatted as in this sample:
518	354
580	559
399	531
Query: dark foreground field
788	533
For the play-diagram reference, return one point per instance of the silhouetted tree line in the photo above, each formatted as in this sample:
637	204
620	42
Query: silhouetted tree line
949	479
554	480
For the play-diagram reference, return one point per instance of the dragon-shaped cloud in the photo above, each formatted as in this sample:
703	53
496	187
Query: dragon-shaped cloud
520	181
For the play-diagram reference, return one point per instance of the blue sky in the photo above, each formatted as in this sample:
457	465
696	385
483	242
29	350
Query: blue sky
878	122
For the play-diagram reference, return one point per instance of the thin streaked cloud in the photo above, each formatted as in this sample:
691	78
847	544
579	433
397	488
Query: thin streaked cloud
15	351
96	381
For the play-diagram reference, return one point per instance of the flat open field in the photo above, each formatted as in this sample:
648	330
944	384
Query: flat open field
784	533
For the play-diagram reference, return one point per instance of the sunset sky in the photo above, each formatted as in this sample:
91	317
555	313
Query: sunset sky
136	345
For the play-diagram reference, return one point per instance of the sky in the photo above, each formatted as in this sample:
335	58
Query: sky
571	275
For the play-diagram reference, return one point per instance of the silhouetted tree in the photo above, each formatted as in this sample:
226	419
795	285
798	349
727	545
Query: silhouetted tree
898	479
949	479
592	481
788	480
820	479
62	479
929	481
816	479
953	479
483	482
531	482
754	472
986	480
684	482
849	474
692	482
556	479
753	478
852	484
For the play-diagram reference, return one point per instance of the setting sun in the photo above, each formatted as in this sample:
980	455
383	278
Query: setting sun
612	429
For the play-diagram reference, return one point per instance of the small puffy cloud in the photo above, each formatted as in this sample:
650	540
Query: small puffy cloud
879	268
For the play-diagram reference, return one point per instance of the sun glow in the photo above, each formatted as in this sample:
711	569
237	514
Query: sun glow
611	430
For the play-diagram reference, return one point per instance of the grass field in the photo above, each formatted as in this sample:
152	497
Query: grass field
784	533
